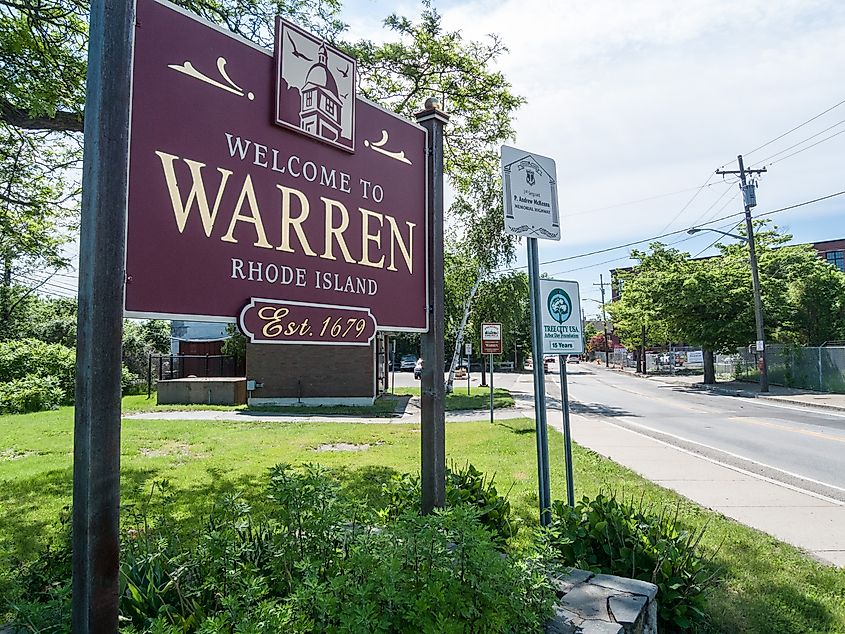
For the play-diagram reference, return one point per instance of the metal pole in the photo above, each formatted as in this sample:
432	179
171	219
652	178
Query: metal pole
468	362
149	375
604	319
491	389
393	370
755	281
432	386
96	431
567	434
539	383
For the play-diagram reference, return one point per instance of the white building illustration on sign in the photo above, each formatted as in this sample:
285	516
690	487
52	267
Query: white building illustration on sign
315	87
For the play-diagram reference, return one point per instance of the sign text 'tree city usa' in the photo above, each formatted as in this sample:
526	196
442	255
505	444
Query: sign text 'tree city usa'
560	308
254	178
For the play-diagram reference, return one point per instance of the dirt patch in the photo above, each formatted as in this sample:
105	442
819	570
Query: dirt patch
180	449
14	454
346	446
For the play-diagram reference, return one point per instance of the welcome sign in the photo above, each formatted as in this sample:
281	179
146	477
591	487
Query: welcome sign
262	176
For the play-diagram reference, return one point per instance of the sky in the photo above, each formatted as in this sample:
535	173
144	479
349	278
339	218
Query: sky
643	101
640	102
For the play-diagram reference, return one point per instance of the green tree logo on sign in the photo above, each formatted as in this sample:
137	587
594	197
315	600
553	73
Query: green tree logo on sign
560	305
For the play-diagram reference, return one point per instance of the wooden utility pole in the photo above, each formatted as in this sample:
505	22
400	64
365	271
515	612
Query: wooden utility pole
749	201
96	434
433	388
602	283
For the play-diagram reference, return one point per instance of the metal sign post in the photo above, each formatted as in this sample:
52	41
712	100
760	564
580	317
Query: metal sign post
529	190
562	335
468	350
567	433
539	383
96	430
491	388
432	385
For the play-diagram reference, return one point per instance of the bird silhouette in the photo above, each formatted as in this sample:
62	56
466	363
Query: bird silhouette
344	73
344	96
296	53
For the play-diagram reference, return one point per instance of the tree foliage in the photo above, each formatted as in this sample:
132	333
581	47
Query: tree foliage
709	302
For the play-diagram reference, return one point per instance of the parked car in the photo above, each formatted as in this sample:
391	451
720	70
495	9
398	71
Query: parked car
408	362
573	358
549	363
418	369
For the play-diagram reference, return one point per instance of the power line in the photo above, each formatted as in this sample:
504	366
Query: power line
640	200
673	233
783	158
838	123
801	125
689	202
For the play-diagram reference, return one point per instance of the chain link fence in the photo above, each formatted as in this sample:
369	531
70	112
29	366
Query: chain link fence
810	368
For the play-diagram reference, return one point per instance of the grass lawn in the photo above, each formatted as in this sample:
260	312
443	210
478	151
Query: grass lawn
383	406
768	586
478	398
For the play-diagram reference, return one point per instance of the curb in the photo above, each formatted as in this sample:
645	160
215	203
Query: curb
745	394
734	392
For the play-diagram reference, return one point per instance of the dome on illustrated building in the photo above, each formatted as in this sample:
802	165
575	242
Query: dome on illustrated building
321	76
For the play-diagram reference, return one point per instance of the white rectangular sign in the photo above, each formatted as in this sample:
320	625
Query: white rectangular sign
695	356
560	307
529	184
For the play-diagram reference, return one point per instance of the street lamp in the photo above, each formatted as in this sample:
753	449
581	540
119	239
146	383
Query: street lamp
755	284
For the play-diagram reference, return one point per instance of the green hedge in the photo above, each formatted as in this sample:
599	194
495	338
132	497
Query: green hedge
34	359
30	394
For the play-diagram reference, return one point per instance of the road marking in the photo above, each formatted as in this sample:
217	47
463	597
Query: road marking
734	455
765	423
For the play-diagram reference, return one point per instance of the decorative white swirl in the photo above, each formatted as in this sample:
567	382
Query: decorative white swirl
187	68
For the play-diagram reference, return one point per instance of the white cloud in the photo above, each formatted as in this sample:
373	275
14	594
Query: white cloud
638	98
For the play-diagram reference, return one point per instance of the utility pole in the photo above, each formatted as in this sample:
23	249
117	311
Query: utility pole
602	283
750	200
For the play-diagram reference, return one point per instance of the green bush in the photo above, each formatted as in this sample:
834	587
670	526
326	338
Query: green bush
310	560
630	539
24	358
465	486
30	394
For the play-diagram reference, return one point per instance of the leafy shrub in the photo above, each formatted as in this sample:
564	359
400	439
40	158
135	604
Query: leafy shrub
24	358
630	539
465	486
30	394
310	560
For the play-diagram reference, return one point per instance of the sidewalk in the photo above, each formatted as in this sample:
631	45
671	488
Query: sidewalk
812	522
807	398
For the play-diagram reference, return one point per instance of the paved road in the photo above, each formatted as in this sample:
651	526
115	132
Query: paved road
799	446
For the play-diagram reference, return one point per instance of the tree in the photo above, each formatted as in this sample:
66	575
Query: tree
596	343
709	302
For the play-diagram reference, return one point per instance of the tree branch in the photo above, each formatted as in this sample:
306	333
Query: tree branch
18	118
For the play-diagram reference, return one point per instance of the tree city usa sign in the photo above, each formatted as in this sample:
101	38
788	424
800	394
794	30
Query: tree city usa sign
261	186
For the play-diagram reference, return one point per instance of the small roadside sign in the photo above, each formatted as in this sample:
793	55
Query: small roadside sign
491	338
560	309
529	186
467	349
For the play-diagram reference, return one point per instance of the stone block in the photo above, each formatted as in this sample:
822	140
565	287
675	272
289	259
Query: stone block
622	584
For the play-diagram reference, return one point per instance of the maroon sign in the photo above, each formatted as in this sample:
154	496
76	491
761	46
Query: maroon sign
227	204
277	321
491	338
